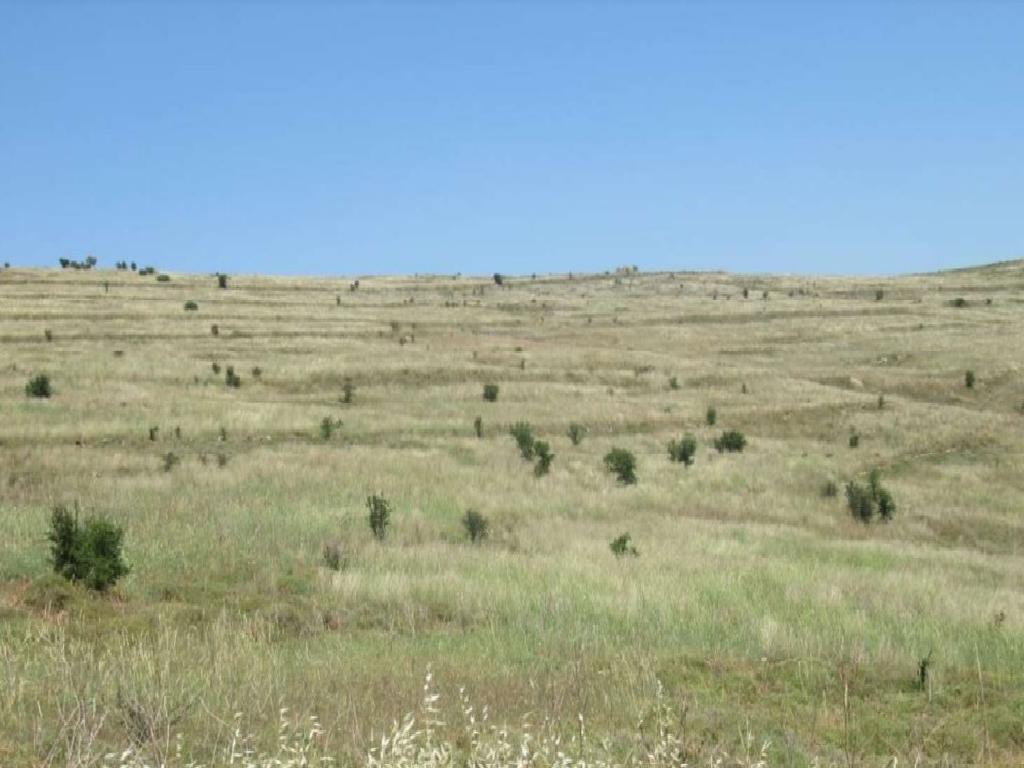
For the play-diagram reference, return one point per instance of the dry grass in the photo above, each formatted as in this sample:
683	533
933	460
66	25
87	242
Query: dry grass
759	605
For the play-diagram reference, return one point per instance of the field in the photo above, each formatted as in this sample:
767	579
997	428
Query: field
759	606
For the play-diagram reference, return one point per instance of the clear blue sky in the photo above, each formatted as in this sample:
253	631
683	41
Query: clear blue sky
513	137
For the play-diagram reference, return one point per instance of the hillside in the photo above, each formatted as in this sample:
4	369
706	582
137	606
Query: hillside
756	600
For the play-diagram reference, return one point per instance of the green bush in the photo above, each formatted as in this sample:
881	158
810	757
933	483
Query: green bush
969	379
865	501
191	306
683	450
38	386
711	416
829	489
523	435
163	278
89	554
544	458
621	546
476	526
731	441
576	433
380	515
231	378
170	460
222	281
490	392
327	427
673	383
348	390
478	426
623	464
854	440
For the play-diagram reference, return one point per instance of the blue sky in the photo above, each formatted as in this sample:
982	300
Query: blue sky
514	137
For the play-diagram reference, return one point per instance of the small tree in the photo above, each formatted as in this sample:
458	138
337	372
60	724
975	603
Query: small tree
476	526
90	553
623	464
711	416
544	458
490	392
38	386
191	306
621	546
576	433
326	427
222	280
683	450
865	501
523	434
380	515
731	441
499	279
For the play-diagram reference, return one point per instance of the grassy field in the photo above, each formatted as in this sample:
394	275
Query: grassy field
758	603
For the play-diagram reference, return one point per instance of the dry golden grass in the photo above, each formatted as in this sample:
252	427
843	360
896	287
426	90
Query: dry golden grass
759	604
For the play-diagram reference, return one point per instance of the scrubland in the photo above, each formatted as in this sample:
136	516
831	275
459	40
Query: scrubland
756	610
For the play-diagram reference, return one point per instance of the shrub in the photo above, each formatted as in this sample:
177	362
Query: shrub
711	416
523	434
257	372
191	306
969	379
881	402
544	458
90	553
48	334
163	278
215	330
215	367
879	294
854	440
959	302
380	515
348	390
830	490
478	426
865	501
490	392
731	441
38	386
476	526
327	426
623	464
222	281
170	460
576	433
673	383
683	450
153	433
231	378
621	546
499	279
